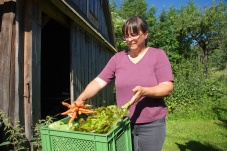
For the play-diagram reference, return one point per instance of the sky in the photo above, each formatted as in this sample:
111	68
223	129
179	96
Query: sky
165	4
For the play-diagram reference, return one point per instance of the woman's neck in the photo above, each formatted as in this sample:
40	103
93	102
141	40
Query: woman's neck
138	52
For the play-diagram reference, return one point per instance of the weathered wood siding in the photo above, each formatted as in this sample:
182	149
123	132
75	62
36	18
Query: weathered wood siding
103	20
7	57
89	52
91	46
88	59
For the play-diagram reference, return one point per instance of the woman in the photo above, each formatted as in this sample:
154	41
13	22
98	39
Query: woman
142	75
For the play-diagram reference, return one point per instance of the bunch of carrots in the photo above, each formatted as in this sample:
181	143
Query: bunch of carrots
74	110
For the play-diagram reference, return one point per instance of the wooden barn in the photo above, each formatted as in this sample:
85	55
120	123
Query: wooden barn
49	52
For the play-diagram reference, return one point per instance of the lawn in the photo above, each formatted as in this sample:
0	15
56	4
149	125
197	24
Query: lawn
196	135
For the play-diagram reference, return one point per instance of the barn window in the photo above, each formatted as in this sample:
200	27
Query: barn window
93	7
92	11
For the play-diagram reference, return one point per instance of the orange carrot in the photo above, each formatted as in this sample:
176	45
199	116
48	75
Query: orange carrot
85	106
86	111
69	111
73	117
75	108
68	105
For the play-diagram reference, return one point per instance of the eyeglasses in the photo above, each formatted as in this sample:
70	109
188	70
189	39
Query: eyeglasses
132	36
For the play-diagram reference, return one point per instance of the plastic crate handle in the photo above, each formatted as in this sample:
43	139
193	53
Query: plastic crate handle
120	133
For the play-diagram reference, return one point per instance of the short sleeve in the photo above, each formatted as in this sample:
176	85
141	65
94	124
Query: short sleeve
108	72
163	68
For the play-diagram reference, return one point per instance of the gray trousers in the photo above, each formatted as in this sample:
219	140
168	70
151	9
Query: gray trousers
149	136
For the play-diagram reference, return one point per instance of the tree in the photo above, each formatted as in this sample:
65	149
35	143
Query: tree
117	23
202	28
133	7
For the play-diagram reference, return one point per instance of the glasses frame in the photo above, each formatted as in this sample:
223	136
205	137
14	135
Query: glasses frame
132	37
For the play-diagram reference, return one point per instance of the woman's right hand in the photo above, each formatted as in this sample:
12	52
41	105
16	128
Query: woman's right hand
79	102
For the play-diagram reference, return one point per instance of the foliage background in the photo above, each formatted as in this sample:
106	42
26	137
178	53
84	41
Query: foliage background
195	40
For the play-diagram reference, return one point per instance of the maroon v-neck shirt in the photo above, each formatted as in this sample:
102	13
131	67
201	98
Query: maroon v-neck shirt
151	70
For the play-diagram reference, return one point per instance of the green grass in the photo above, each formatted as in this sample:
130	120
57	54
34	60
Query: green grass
196	135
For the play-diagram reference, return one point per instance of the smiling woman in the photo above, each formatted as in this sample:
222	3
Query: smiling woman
142	75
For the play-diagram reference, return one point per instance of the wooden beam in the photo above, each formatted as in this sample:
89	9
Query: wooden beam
79	20
27	67
7	59
53	12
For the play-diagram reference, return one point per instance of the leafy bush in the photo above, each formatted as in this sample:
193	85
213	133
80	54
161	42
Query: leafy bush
16	134
196	94
37	142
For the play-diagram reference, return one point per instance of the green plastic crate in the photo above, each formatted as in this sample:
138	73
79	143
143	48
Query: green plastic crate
118	139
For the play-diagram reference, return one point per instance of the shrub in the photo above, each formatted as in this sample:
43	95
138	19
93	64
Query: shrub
16	134
196	94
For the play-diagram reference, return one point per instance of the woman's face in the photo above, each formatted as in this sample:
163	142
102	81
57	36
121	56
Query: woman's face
136	41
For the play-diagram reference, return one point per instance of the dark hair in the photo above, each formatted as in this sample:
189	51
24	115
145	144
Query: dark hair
136	24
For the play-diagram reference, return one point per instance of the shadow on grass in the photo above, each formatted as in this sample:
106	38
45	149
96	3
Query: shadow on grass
196	146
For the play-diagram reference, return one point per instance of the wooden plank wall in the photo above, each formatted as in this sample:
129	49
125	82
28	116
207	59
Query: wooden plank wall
88	59
17	40
101	23
7	57
32	65
81	5
90	56
36	63
20	59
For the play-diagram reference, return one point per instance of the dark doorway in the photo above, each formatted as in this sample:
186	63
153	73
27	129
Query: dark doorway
55	68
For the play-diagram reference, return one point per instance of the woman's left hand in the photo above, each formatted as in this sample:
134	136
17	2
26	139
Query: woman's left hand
138	93
159	91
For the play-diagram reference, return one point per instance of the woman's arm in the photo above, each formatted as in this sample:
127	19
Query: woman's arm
91	90
161	90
